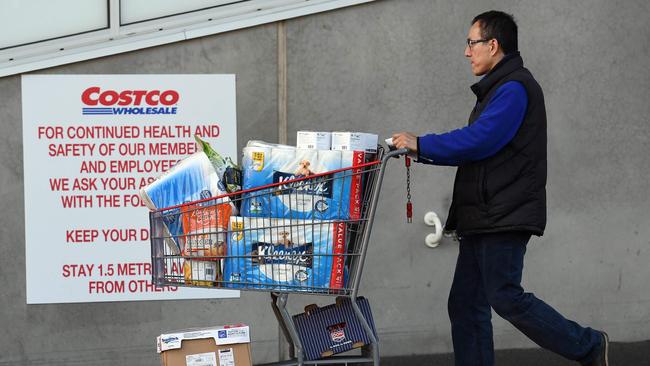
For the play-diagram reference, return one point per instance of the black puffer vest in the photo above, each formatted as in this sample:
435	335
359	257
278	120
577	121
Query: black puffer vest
507	191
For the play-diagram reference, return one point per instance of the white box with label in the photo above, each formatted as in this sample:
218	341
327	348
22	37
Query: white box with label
354	141
314	140
227	345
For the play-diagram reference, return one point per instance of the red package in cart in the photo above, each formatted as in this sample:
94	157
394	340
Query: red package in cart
204	229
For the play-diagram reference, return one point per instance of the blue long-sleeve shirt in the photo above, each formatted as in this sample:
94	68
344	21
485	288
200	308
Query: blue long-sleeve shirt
494	128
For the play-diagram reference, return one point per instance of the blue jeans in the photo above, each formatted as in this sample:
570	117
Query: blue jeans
488	275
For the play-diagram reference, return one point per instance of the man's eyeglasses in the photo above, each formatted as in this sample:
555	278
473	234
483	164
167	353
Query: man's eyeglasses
472	42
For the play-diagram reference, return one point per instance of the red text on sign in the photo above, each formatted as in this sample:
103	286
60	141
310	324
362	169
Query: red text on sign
50	132
81	235
94	95
77	270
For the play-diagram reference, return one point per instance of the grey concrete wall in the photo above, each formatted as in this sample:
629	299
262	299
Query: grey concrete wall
382	67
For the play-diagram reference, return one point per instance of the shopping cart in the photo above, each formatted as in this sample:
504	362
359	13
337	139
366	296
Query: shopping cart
302	245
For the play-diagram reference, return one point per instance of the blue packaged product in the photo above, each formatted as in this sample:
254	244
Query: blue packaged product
285	254
316	198
193	178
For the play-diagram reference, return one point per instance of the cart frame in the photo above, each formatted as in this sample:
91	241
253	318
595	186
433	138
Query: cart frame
280	295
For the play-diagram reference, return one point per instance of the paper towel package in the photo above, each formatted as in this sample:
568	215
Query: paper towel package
314	140
272	253
193	178
354	141
318	198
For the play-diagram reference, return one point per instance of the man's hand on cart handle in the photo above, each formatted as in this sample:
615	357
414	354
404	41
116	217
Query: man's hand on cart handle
406	140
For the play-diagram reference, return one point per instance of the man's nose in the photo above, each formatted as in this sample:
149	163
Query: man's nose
468	51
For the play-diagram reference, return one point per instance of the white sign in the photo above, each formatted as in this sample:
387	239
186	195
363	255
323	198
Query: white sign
90	142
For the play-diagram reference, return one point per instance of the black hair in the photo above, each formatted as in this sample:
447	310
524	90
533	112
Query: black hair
501	26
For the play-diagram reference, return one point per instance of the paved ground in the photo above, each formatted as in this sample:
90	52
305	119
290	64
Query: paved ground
621	354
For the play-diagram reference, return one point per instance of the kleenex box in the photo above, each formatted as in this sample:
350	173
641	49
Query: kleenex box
354	141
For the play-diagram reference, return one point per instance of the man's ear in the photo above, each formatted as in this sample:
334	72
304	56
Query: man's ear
495	47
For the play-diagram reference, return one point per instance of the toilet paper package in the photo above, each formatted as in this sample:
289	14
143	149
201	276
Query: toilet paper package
254	162
285	254
193	178
318	198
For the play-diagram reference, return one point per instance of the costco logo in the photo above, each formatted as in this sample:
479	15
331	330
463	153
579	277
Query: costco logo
112	102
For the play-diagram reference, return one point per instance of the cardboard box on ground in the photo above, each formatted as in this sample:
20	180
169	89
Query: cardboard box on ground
212	346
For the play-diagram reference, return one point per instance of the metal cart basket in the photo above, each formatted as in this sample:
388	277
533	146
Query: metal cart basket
305	234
